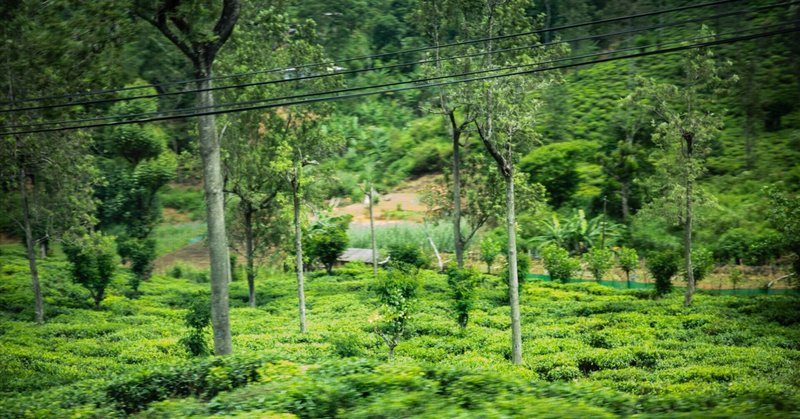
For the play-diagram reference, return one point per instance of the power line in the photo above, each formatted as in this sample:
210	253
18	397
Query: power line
399	65
381	55
188	111
445	83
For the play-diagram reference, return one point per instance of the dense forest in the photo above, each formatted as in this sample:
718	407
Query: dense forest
489	208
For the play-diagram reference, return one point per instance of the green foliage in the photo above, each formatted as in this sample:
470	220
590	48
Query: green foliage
599	261
523	268
92	262
406	256
663	266
326	242
628	260
785	217
396	289
702	263
197	319
141	253
555	167
576	233
491	247
559	265
462	284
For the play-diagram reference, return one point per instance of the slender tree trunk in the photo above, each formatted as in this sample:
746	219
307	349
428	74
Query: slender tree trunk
215	216
298	249
435	249
687	246
250	252
458	241
624	192
29	247
513	275
372	232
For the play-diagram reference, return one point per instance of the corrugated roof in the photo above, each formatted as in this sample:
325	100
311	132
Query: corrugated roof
354	254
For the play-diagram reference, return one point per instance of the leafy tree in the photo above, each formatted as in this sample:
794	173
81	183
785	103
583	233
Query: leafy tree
628	261
599	261
490	249
135	164
93	263
685	131
504	125
254	157
462	284
199	30
663	266
327	241
406	256
702	263
46	179
396	291
785	217
437	19
555	167
559	265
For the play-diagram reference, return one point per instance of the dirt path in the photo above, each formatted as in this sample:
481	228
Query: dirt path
195	254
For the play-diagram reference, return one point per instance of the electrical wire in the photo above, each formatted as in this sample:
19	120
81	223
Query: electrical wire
401	65
189	111
430	85
374	56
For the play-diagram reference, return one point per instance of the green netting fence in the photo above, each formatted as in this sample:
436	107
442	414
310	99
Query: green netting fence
623	285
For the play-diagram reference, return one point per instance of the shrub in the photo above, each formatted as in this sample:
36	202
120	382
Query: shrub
523	267
702	263
663	266
559	265
462	284
93	262
490	248
327	242
396	289
197	319
628	261
599	261
141	253
404	256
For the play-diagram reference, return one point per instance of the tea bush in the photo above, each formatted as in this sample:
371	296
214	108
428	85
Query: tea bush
589	351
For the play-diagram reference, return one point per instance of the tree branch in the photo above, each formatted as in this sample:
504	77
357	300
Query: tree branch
493	151
226	22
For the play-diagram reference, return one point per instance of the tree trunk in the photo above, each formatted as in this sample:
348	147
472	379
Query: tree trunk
687	246
628	278
215	216
250	252
372	233
298	249
435	249
513	275
624	192
29	247
458	241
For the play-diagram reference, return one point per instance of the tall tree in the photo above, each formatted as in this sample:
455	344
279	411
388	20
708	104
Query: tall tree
686	130
199	29
504	123
135	164
48	177
439	19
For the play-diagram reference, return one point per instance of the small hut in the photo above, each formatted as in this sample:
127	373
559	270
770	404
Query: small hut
355	254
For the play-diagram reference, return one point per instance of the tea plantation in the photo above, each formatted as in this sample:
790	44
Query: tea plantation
589	351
